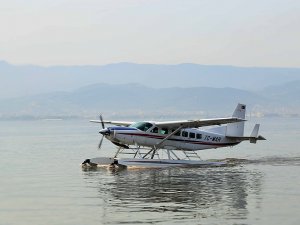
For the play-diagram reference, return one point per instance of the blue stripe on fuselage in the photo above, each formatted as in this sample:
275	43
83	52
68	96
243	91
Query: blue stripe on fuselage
122	128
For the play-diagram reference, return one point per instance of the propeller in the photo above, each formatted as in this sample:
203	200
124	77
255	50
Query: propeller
100	143
101	119
103	127
107	131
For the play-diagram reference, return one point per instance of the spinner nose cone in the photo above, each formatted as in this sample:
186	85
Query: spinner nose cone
105	131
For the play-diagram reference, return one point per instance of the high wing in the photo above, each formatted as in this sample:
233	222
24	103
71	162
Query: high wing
119	123
198	123
180	123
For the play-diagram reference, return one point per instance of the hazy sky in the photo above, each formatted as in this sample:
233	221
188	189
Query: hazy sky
228	32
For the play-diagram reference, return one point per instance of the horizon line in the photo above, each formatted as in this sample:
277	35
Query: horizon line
2	61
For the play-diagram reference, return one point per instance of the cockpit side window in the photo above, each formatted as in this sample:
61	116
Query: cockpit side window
146	126
143	126
154	130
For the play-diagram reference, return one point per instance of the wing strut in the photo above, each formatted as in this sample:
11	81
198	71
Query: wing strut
155	147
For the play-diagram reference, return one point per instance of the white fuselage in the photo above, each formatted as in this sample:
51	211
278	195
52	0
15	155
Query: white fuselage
186	139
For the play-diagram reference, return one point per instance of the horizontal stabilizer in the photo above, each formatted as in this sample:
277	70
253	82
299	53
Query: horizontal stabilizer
247	138
253	138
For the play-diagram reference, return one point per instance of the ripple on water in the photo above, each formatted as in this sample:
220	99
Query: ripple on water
164	195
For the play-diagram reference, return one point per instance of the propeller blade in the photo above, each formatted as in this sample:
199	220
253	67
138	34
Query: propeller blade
101	119
100	143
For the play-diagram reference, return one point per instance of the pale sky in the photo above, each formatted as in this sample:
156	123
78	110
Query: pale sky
97	32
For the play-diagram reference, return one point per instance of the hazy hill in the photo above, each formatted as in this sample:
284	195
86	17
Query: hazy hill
134	100
288	93
25	80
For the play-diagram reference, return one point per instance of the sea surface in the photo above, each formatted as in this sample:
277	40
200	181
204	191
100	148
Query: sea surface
42	182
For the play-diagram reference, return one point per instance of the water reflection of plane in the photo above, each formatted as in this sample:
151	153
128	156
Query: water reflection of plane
185	192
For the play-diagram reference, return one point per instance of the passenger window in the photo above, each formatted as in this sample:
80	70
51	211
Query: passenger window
154	130
192	135
199	136
184	134
164	130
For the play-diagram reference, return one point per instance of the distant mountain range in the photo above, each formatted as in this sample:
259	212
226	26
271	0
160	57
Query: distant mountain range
139	101
27	80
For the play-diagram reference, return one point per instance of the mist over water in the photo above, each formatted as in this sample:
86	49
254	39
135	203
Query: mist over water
42	181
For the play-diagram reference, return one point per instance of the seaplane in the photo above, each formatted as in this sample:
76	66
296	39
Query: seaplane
171	143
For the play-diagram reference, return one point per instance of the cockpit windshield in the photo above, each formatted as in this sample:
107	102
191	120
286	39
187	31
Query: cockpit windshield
143	126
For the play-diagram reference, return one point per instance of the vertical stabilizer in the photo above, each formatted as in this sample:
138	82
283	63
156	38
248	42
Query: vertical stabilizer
237	129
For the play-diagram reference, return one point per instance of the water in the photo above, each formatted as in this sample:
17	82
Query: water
42	181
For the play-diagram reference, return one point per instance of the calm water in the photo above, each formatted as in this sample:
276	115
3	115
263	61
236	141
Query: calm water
42	181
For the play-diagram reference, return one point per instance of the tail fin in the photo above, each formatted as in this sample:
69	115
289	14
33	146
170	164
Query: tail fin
237	129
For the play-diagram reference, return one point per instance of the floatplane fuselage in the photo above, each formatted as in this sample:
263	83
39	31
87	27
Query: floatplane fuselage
186	136
188	139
